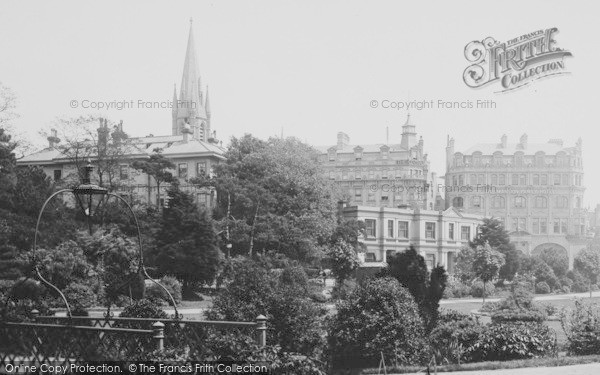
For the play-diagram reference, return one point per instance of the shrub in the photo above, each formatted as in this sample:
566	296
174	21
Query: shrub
457	289
509	341
490	306
80	296
502	316
477	289
157	294
542	288
582	327
343	290
143	309
549	308
28	289
378	317
566	289
295	322
295	277
318	297
454	334
544	273
580	284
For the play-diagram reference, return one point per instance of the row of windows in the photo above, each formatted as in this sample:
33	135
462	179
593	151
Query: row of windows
517	179
560	201
541	225
182	171
372	174
519	159
358	154
402	230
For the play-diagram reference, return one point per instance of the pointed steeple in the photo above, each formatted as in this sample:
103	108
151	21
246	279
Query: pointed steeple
174	108
190	92
190	107
207	103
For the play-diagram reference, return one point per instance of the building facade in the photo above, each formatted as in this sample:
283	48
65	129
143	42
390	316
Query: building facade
381	175
536	190
192	146
437	235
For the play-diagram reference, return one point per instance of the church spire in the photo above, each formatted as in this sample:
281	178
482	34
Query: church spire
190	107
207	103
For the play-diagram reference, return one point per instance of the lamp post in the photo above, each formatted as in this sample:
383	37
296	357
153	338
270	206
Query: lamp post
89	197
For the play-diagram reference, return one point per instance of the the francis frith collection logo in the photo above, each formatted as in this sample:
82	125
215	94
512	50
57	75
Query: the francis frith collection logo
516	62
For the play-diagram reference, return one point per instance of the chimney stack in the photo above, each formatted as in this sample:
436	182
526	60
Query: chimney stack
556	141
342	140
503	140
523	141
53	139
186	131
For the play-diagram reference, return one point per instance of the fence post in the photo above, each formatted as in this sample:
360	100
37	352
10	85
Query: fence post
261	330
35	313
159	335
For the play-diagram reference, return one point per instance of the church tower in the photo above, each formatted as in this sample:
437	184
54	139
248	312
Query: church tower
191	107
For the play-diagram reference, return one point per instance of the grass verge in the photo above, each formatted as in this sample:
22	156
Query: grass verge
498	365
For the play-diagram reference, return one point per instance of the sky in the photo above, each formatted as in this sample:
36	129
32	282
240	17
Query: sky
308	69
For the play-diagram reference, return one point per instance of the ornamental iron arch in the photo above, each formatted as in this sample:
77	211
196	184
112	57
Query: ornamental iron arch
89	198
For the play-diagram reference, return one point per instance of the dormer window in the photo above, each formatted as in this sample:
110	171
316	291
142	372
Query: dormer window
385	152
332	154
358	153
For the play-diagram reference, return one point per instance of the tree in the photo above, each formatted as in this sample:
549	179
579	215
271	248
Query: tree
186	243
487	264
378	317
492	231
409	268
158	167
587	262
295	322
83	138
277	196
555	258
464	264
344	260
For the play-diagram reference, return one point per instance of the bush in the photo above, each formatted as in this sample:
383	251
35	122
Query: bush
378	317
566	289
343	290
457	289
542	288
295	322
549	308
490	307
295	277
454	334
80	296
502	316
157	294
143	309
582	327
477	289
510	341
28	289
580	284
318	297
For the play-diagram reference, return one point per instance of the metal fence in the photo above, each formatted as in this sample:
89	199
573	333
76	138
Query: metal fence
61	340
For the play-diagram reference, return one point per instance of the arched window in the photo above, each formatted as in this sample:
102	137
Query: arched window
578	202
520	202
457	202
562	202
497	158
477	158
540	159
494	179
473	179
458	159
476	202
541	202
518	159
498	202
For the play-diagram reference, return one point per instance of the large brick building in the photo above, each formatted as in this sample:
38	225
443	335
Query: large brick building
383	174
535	189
